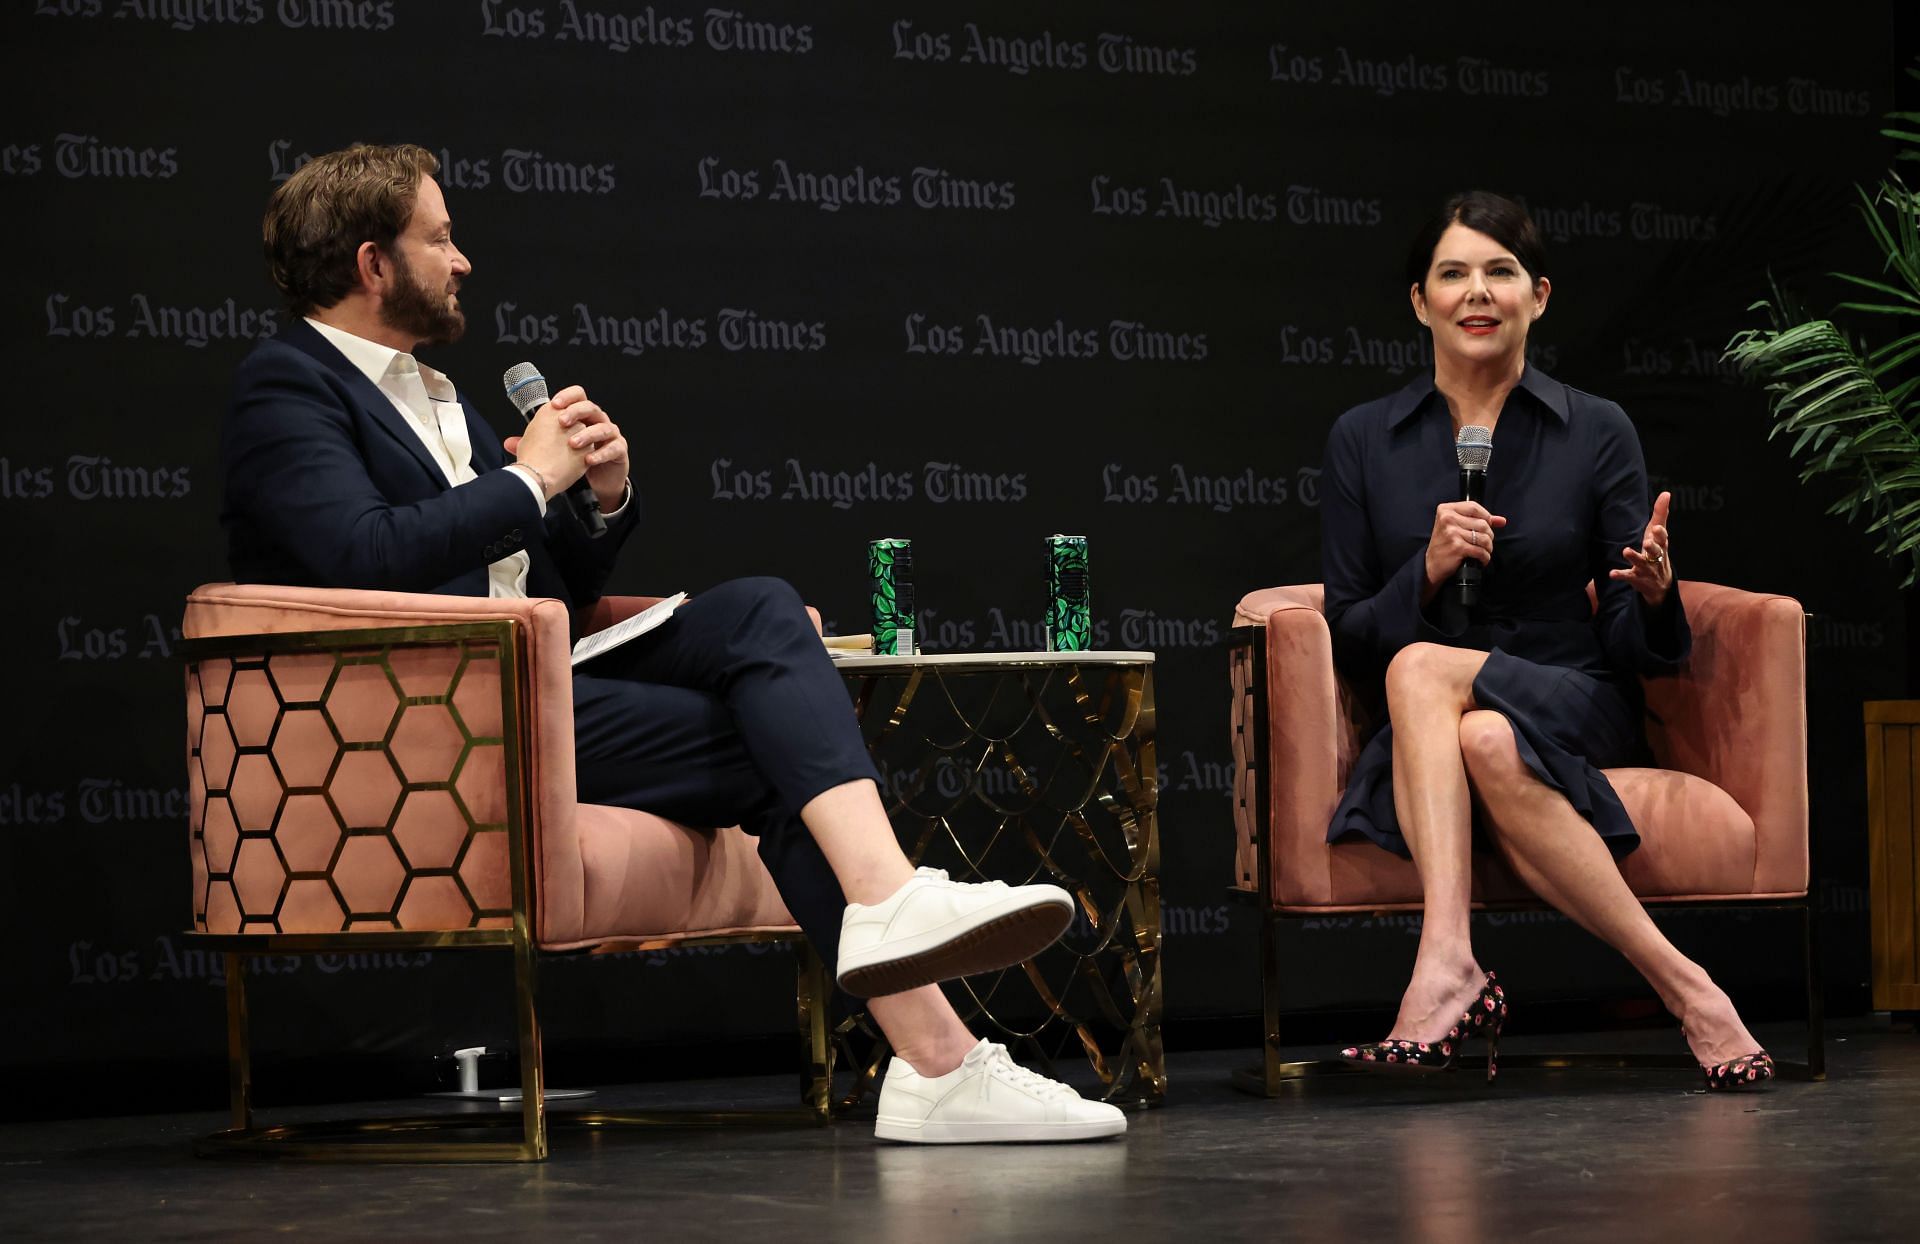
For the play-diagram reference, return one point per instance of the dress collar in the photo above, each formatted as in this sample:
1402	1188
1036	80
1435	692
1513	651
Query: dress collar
1411	400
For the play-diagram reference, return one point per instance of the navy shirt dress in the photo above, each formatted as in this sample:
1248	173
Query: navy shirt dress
1568	475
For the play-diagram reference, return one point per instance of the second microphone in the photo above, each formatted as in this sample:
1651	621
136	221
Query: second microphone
1474	449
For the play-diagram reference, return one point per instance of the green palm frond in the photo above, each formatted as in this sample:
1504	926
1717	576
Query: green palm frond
1850	411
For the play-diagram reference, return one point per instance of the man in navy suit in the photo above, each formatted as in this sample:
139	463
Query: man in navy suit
351	464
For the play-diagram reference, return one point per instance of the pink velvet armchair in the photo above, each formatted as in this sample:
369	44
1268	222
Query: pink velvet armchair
1723	819
384	771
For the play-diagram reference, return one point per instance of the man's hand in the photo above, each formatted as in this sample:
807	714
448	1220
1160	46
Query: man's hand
571	436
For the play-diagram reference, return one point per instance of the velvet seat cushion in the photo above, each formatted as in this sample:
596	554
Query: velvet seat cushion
644	876
1695	841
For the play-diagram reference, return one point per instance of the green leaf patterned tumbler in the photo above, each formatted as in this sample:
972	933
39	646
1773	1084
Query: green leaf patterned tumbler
890	582
1069	595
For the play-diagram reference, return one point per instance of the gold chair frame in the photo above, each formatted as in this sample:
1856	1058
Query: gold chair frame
424	1138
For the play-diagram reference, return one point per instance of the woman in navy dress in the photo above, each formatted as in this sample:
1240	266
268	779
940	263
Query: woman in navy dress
1514	704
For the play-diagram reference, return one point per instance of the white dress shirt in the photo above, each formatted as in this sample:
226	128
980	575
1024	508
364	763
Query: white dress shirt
430	407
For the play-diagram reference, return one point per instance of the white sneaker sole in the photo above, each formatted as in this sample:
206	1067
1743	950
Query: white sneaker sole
997	936
934	1133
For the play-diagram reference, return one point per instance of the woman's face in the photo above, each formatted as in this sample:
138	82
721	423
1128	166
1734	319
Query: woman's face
1479	301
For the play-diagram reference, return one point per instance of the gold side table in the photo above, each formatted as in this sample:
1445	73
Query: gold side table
1035	766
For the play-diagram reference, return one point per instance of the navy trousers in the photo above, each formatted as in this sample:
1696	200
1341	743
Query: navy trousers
728	713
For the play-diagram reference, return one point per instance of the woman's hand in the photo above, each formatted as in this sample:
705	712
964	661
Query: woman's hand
1462	530
1649	568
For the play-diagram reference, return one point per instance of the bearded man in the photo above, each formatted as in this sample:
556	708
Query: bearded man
350	464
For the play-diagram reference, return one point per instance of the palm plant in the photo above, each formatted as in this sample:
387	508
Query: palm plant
1851	408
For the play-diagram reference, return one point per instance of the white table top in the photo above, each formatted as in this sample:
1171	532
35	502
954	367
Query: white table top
868	663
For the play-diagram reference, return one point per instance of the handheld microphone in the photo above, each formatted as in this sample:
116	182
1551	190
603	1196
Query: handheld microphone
1474	449
527	390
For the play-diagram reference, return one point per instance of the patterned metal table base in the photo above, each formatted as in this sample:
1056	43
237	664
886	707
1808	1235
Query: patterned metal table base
1012	769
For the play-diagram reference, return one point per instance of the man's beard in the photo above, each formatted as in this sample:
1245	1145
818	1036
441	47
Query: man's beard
419	312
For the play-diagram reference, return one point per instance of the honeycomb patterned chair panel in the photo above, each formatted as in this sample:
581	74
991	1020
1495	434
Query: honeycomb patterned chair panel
363	788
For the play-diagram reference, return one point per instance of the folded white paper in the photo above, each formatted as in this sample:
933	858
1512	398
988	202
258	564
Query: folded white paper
621	632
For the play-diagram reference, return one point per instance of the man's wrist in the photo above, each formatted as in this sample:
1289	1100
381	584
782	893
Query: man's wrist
539	478
625	496
535	481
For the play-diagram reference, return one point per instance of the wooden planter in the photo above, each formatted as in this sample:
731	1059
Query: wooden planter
1893	847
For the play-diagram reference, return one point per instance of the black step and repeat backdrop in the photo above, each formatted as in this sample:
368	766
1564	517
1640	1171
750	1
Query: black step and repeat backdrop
970	274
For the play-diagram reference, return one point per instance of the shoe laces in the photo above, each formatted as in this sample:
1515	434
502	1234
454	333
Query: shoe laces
998	1064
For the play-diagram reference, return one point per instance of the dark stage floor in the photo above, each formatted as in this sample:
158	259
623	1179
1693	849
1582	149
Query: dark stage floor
1591	1155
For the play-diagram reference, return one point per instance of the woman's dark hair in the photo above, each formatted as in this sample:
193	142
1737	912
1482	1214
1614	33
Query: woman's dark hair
1483	211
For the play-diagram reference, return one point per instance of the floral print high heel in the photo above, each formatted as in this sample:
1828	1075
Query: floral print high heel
1486	1016
1748	1071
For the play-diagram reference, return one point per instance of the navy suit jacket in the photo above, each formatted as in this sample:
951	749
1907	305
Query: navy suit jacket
327	486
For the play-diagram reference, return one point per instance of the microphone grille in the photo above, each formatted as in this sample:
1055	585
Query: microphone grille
1474	447
526	388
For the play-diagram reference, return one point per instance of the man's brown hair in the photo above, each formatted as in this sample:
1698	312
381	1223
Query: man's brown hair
318	218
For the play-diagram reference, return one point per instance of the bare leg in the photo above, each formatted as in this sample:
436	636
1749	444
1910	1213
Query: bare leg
1429	690
1556	853
850	824
923	1028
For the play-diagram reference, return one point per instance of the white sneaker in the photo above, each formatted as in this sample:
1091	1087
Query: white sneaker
932	929
988	1097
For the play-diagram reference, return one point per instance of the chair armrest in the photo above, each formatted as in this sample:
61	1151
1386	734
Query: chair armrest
611	609
1311	738
1736	715
221	609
